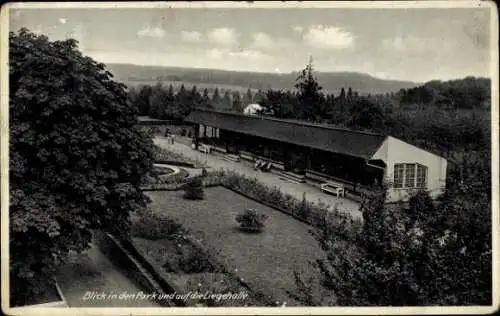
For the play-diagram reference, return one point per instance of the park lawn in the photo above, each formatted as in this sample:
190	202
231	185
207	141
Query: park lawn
265	261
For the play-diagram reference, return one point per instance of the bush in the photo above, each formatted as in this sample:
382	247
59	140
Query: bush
193	190
183	132
251	220
304	211
149	225
317	215
189	133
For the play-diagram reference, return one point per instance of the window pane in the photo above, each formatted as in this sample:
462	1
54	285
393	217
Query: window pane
421	176
398	175
410	175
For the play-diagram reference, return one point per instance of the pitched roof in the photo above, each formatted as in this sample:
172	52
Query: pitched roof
323	137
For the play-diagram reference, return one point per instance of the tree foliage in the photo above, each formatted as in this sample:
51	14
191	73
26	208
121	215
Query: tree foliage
424	253
76	157
309	96
467	93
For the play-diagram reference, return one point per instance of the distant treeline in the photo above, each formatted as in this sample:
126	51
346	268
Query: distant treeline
468	93
168	103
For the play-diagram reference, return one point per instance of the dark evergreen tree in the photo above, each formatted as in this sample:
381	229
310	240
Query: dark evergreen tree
226	101
216	99
205	100
143	99
195	98
237	106
248	97
259	96
349	95
309	94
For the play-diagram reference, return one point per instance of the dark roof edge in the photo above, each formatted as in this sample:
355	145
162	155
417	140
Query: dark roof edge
262	117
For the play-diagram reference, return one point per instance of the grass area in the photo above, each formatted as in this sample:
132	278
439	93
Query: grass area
265	261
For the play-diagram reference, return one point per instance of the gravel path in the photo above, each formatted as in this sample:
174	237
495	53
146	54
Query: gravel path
93	272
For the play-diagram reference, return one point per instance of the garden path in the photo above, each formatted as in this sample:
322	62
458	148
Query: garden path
313	194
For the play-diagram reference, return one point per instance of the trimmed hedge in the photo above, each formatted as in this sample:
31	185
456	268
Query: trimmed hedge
316	215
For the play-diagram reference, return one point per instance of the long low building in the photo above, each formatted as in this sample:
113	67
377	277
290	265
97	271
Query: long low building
323	152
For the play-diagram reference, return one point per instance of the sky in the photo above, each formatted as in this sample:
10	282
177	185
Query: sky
405	44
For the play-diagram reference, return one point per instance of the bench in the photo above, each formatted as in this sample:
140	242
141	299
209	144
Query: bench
333	188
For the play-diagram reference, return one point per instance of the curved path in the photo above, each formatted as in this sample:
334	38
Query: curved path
190	171
175	169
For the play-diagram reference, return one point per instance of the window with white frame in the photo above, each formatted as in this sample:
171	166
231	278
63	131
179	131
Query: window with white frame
421	176
410	175
399	170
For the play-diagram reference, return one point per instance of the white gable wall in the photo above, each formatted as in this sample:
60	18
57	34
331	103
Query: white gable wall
397	151
383	151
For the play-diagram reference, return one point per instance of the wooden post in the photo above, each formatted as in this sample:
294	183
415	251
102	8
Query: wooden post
196	135
308	158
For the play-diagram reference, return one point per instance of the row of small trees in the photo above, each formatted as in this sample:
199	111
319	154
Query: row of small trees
163	102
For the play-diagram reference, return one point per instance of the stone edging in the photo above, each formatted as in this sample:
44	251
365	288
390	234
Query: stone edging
140	275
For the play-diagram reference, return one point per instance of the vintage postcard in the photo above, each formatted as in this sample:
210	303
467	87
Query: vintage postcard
248	158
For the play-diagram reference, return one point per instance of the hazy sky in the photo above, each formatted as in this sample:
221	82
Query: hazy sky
409	44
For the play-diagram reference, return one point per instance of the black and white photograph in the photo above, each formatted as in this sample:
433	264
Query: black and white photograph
249	157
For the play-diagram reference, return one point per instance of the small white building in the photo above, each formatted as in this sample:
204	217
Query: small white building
252	109
409	167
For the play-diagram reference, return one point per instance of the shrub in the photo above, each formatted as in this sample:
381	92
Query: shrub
317	215
304	210
251	220
193	190
149	225
183	132
189	258
189	133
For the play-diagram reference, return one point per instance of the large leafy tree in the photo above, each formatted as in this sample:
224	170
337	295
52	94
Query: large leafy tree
77	158
366	114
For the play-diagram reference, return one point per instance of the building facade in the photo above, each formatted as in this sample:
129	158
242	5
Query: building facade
357	159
